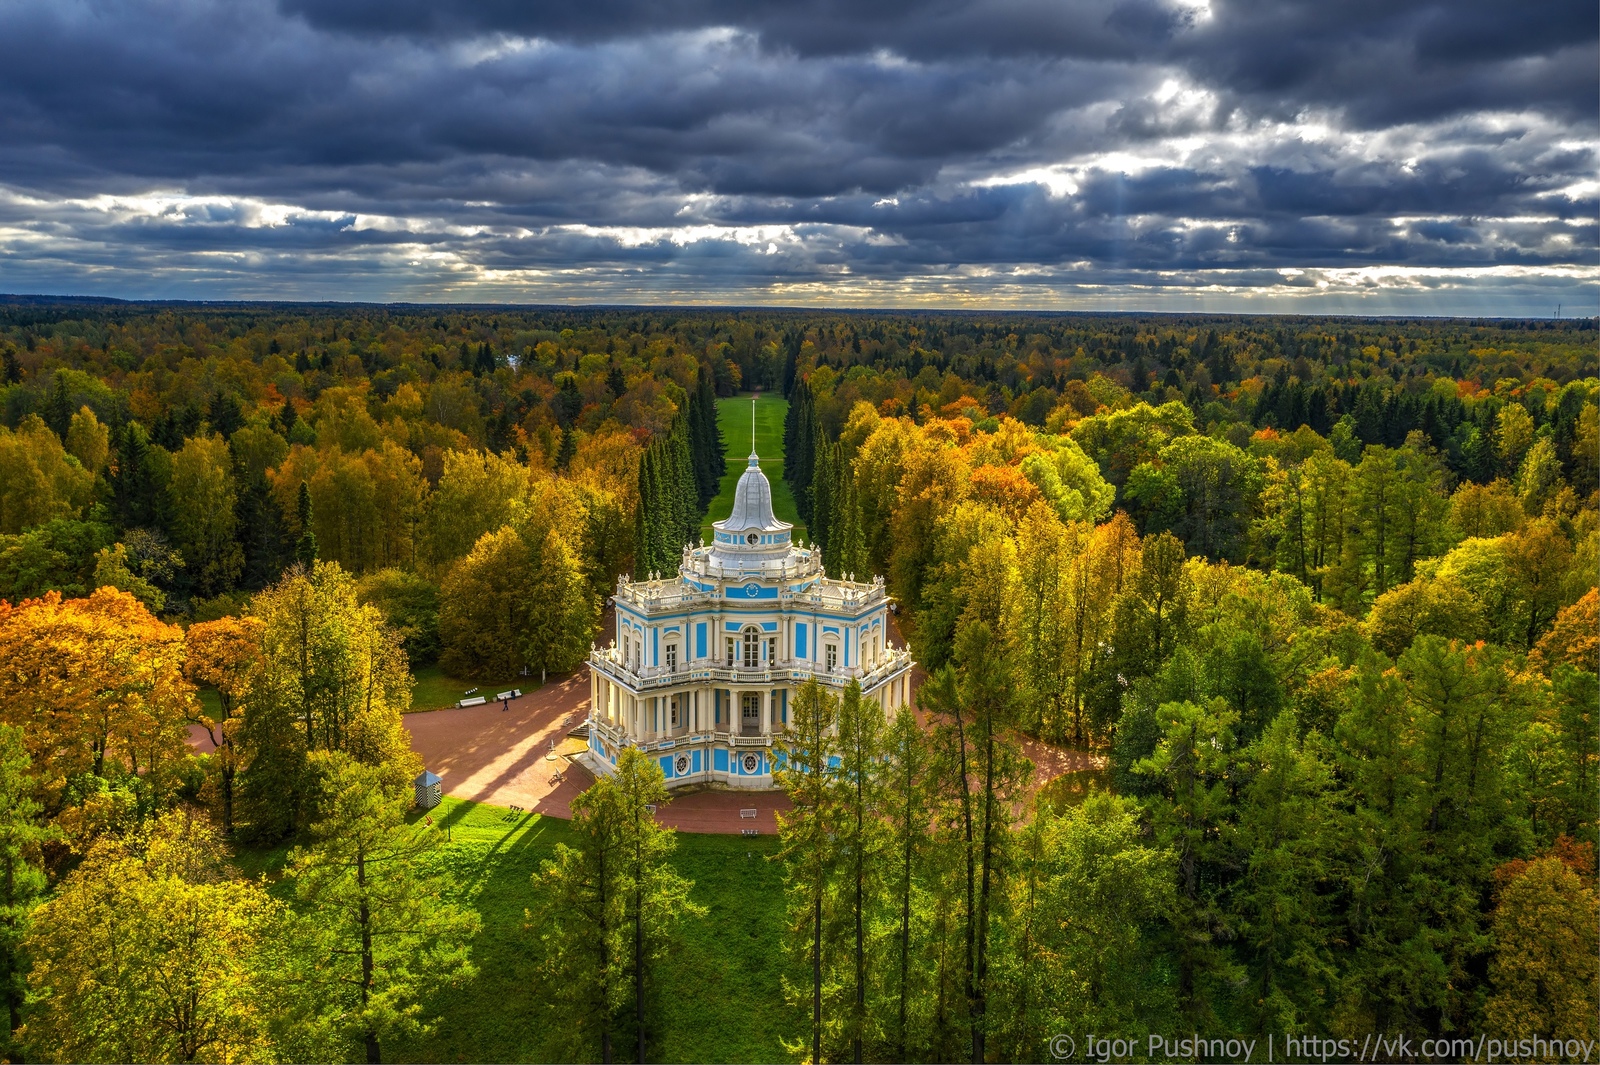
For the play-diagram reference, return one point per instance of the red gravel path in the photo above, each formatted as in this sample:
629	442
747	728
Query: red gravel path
485	754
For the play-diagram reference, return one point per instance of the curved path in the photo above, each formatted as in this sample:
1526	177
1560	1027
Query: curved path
503	757
489	755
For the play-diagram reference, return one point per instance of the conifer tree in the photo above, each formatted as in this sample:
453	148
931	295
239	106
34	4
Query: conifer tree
821	508
305	549
22	880
910	802
800	445
705	437
981	774
260	521
862	832
135	492
377	934
809	837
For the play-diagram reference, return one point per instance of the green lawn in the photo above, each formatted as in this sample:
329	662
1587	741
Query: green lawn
733	415
721	996
434	689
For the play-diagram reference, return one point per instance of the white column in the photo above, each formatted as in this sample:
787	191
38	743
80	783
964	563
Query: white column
766	711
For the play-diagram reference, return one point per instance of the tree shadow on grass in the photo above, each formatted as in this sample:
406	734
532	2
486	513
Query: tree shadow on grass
720	996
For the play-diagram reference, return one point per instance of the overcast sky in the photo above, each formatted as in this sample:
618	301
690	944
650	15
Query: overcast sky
1318	156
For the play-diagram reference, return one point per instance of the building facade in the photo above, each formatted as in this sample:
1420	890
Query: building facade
704	666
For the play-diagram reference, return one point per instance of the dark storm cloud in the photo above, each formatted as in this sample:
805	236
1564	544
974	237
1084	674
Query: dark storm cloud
758	149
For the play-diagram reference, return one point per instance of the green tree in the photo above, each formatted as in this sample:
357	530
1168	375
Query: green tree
579	919
1191	810
376	932
861	838
982	776
910	800
1285	838
22	881
305	549
1220	485
478	492
1152	613
519	599
203	498
111	568
809	839
331	677
409	604
1082	950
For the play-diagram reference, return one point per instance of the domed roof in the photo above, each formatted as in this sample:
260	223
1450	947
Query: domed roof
752	504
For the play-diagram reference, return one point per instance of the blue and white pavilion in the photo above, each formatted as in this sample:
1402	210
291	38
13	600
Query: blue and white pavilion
705	665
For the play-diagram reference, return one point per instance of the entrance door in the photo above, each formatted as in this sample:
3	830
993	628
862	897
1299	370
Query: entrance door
750	711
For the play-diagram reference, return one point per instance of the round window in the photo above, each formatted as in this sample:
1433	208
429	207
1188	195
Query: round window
680	765
752	539
750	763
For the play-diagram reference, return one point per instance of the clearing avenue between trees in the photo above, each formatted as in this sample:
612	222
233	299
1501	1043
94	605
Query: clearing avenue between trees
502	757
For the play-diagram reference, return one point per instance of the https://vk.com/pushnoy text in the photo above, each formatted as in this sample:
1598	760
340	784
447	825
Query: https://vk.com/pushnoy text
1292	1049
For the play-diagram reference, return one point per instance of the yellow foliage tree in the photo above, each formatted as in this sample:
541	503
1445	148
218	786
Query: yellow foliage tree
97	686
1544	970
39	480
203	498
150	952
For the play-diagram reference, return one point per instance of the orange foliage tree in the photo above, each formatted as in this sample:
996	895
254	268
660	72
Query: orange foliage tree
97	687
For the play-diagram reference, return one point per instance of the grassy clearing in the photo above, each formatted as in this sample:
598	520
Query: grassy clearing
733	416
434	689
721	996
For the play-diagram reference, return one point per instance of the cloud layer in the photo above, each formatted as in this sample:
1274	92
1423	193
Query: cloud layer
1393	157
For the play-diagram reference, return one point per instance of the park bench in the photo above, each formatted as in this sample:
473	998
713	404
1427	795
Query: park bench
750	831
748	815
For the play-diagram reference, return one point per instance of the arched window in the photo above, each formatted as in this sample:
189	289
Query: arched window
672	656
752	647
832	656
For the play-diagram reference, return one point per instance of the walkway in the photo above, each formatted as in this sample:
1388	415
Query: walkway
501	757
489	755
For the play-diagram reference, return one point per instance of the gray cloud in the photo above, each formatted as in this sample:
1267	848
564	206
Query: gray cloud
889	151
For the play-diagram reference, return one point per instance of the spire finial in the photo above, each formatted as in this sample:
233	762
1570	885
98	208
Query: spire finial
754	460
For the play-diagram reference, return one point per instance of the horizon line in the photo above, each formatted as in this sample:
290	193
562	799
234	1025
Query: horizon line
44	299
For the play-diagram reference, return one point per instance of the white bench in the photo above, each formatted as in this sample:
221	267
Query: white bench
748	815
476	700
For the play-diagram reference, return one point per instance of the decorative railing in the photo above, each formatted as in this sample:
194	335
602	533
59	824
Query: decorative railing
664	594
892	662
713	738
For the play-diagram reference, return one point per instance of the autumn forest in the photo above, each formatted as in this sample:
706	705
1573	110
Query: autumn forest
1313	599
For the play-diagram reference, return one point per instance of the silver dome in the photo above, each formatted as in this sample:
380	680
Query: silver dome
752	505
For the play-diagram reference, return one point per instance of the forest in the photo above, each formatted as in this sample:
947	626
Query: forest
1318	596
